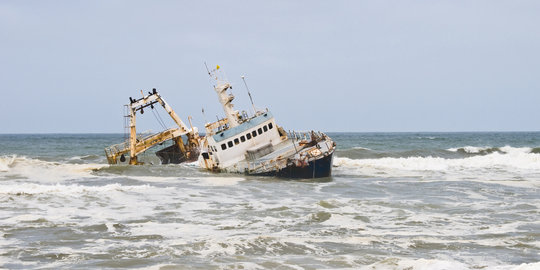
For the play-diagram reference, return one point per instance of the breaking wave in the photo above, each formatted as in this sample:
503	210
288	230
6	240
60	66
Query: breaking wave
507	163
34	189
434	264
36	169
6	162
450	153
494	160
488	150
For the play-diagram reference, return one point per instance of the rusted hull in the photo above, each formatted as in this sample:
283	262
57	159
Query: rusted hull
173	155
314	169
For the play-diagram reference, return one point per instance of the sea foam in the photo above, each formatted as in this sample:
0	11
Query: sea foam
6	162
437	264
489	149
40	170
514	167
513	159
73	190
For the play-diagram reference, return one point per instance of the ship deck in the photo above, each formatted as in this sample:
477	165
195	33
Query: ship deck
284	161
283	149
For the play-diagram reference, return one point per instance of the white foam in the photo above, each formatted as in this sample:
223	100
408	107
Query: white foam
510	149
220	181
477	149
72	190
438	264
83	205
23	218
183	231
470	149
45	171
526	266
208	224
343	221
6	162
156	179
361	148
428	137
197	181
515	163
420	264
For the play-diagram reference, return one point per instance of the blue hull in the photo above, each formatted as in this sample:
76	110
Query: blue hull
314	169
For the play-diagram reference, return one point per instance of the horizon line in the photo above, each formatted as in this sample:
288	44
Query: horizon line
476	131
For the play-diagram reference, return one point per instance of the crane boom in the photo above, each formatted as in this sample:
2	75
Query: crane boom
135	145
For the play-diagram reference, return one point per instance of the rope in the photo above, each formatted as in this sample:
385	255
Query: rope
158	118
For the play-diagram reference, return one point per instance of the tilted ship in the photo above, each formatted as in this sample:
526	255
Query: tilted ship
238	143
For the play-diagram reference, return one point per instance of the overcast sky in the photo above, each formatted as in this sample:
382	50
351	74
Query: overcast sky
69	66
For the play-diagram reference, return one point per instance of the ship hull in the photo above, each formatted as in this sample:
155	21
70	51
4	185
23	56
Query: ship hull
173	155
314	169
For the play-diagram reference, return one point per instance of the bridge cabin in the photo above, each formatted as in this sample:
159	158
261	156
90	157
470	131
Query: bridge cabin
251	139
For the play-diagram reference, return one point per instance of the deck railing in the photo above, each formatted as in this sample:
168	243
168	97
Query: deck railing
114	150
296	137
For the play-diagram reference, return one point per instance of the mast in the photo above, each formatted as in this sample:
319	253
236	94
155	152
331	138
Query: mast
225	98
132	137
249	94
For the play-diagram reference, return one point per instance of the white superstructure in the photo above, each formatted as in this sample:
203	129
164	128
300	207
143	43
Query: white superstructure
257	145
237	138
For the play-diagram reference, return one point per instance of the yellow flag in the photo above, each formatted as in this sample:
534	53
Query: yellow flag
217	67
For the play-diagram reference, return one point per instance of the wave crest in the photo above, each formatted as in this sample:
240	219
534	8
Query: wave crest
73	190
483	150
514	166
493	160
6	162
36	169
437	264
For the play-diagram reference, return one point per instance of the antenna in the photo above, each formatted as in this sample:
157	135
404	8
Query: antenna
249	94
212	73
204	116
207	68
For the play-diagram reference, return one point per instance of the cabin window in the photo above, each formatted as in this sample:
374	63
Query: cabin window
236	141
270	126
242	138
223	146
230	144
248	136
265	129
254	133
260	131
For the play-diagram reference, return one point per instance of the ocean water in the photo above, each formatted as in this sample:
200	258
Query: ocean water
395	201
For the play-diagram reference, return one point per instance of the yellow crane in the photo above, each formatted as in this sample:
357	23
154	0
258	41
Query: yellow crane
135	145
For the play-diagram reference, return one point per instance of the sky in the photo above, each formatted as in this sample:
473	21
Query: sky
352	66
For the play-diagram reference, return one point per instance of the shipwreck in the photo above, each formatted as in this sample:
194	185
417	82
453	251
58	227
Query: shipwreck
237	143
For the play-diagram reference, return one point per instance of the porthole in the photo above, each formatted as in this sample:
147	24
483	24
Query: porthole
260	131
242	138
230	144
223	146
248	136
270	126
236	141
254	133
265	129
